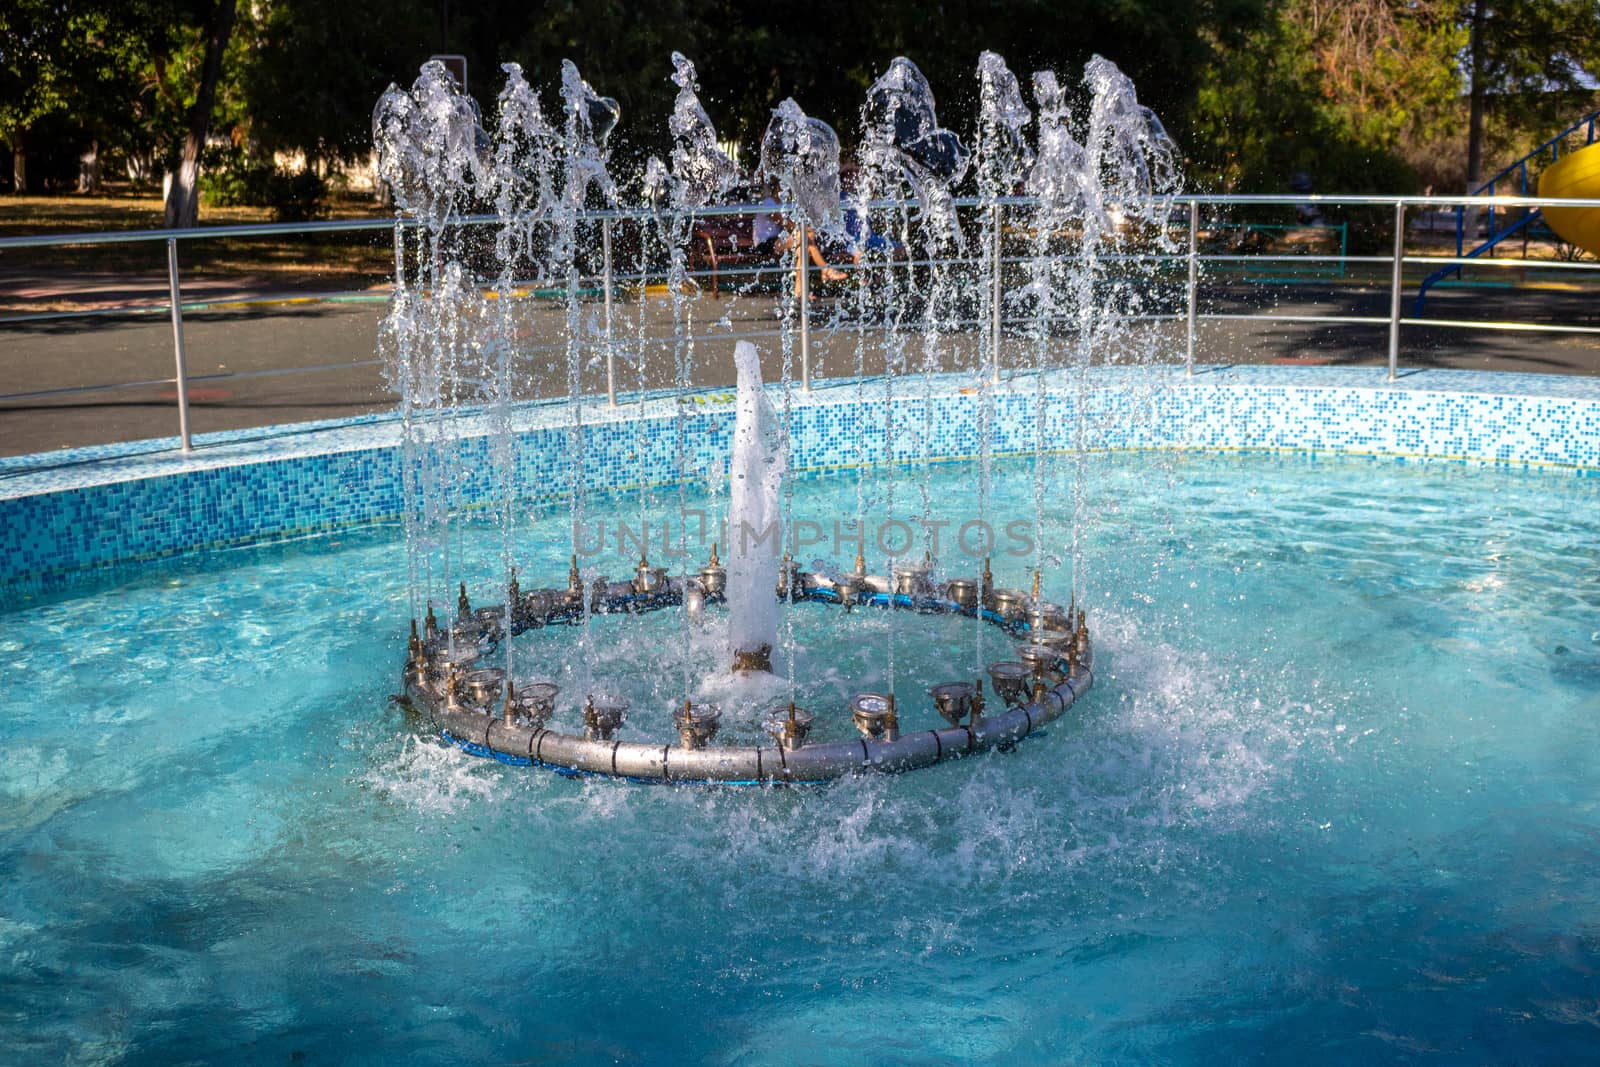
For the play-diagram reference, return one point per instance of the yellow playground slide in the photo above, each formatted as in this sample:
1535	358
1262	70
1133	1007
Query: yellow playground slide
1575	175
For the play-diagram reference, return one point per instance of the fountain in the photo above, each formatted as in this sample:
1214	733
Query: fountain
454	356
756	473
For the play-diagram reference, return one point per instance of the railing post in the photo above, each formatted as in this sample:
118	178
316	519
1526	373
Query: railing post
803	292
1194	286
996	322
1394	288
611	354
181	376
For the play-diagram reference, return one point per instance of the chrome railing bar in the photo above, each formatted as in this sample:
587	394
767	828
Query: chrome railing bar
996	309
358	225
273	372
1507	327
181	378
1525	264
1396	282
1358	320
1194	287
802	294
611	352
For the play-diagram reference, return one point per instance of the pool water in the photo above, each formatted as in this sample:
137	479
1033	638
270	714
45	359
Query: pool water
1335	797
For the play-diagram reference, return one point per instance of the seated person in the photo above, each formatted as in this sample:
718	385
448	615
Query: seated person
768	237
772	237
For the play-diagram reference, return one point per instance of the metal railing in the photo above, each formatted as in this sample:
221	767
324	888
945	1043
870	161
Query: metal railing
1189	213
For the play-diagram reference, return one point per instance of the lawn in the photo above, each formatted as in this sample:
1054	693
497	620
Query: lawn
286	261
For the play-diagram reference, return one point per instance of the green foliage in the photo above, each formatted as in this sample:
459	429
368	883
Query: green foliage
311	71
1360	94
297	197
234	178
1530	46
1335	90
83	61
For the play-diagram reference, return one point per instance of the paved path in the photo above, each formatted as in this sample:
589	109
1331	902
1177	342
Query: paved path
289	362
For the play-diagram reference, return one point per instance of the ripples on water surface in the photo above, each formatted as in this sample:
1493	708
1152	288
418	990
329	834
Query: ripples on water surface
1335	797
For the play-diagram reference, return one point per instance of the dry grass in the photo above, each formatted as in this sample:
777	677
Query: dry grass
315	261
129	210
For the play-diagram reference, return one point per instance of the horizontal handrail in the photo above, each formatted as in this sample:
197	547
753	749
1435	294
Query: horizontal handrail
267	229
1184	221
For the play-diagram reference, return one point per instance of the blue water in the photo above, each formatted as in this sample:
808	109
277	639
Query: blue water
1334	799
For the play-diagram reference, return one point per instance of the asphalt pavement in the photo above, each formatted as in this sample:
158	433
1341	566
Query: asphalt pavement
80	381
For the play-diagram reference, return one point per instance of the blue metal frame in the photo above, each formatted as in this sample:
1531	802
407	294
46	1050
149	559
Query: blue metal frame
1488	188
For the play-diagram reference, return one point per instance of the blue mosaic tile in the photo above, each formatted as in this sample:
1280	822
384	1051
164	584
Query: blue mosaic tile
102	506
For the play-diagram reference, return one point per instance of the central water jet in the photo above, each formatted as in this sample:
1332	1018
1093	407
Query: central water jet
755	518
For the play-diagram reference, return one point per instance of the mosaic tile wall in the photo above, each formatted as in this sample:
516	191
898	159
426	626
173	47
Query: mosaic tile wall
96	507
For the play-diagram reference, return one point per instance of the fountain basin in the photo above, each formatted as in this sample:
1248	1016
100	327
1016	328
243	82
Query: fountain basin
1402	766
92	508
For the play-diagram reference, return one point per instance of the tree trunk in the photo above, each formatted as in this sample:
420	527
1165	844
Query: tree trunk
183	198
1475	107
89	168
19	162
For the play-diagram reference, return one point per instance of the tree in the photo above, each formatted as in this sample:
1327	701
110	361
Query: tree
183	201
80	61
1335	88
299	101
1533	48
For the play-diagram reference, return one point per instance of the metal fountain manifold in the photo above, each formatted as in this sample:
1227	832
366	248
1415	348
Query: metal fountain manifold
1009	604
484	710
484	685
648	580
603	716
1045	617
713	576
874	716
963	593
791	577
574	594
697	724
1011	679
789	726
1044	661
913	580
533	704
756	660
953	700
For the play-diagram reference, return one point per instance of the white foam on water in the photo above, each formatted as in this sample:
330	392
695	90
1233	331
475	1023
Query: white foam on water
756	471
432	776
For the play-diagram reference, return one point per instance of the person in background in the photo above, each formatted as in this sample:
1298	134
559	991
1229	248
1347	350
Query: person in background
768	238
